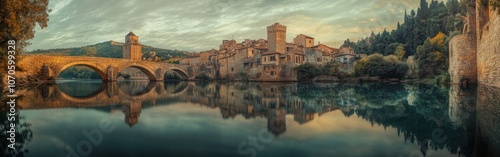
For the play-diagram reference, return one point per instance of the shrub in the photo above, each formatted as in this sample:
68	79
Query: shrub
242	75
202	76
307	71
381	66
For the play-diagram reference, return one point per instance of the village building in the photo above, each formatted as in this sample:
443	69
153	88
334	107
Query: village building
304	40
263	60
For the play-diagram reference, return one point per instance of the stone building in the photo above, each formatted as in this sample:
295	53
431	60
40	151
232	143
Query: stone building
132	49
276	37
474	55
261	60
304	40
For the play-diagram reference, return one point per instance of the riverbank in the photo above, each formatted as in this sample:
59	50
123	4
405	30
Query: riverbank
34	81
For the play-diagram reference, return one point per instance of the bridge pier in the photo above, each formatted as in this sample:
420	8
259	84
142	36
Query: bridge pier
46	73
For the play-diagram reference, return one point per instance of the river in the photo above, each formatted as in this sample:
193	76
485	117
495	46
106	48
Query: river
142	118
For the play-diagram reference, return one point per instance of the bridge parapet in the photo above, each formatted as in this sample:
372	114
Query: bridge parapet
48	67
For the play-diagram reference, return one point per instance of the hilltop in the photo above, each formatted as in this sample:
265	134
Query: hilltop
113	49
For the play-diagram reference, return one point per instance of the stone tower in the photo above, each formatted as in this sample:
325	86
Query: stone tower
276	37
132	47
463	49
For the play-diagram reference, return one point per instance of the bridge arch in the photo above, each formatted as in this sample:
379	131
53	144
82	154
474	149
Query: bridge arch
140	92
149	72
92	65
181	72
86	98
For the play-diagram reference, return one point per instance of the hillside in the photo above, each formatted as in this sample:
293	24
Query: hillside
112	49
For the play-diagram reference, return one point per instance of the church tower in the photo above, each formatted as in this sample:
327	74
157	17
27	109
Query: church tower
276	37
132	49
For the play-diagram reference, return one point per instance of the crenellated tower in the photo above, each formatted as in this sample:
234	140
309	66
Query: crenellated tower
132	49
276	37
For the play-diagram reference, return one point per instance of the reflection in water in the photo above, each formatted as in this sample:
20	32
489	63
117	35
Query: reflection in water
434	118
488	120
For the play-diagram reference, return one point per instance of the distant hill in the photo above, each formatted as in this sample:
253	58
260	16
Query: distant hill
113	49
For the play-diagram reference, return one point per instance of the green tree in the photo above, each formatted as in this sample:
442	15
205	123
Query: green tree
381	66
89	51
400	52
432	57
307	71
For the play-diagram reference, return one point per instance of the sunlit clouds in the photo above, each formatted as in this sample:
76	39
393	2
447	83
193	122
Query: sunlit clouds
200	25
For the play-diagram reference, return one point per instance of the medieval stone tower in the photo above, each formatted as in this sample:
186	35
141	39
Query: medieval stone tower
132	49
276	37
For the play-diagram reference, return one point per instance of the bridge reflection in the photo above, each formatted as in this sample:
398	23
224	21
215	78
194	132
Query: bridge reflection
416	111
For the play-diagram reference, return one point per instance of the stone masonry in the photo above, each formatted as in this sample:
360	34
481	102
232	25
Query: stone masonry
49	67
475	55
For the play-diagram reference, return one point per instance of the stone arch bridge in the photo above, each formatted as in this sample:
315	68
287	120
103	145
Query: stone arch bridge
49	67
109	93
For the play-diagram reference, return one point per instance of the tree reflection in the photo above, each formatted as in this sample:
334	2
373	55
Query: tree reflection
430	116
23	134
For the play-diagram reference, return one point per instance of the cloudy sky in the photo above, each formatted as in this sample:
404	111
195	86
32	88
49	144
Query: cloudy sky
194	25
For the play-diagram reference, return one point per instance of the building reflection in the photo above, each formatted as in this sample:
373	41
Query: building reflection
132	112
405	107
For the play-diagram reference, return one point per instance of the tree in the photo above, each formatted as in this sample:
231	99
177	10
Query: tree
18	19
400	52
89	51
381	66
307	71
432	57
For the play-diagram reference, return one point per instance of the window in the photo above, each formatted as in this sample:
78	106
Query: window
272	73
272	58
310	41
318	59
265	59
232	69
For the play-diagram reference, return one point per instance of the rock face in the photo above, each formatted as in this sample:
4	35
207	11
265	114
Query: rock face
475	55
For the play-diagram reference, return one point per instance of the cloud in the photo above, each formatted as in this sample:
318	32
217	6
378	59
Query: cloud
200	25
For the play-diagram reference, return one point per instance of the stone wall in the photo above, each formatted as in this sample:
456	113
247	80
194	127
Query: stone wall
488	130
463	59
488	47
475	55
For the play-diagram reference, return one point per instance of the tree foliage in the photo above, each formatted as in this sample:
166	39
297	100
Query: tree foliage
426	22
377	65
308	71
18	19
79	72
110	50
432	57
431	19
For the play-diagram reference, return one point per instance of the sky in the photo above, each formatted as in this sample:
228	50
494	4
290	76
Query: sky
194	26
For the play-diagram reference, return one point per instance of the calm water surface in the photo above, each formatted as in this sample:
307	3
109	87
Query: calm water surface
141	118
